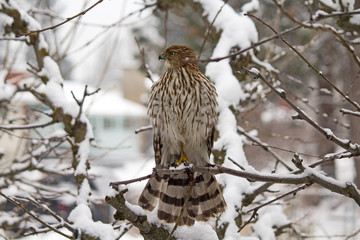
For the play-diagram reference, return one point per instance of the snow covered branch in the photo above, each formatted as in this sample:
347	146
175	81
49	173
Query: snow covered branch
354	148
68	19
307	176
24	127
123	212
33	216
350	112
312	67
324	27
70	113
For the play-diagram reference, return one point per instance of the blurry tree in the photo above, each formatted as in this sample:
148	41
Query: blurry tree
276	69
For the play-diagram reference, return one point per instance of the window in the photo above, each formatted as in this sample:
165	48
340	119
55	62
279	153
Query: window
109	123
129	122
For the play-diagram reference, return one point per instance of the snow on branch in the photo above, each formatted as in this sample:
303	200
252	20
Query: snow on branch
236	31
354	148
69	113
308	176
68	19
15	202
350	112
312	67
123	212
324	27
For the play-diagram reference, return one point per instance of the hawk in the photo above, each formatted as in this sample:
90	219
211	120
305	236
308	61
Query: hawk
182	110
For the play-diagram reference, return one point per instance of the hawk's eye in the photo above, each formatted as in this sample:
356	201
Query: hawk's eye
171	53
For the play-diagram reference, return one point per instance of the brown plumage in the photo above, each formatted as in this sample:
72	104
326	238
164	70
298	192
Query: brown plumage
182	111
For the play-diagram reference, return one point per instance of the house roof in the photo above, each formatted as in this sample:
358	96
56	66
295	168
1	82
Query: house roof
107	102
111	103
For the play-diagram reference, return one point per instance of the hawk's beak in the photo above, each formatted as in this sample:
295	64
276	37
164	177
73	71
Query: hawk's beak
162	55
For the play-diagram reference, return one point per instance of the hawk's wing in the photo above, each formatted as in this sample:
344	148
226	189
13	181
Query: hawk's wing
210	140
154	105
157	147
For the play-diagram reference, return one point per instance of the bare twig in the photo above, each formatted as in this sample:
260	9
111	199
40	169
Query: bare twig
346	144
33	216
252	217
109	27
115	184
143	129
248	48
356	105
294	191
353	234
236	164
12	39
50	211
208	30
305	101
61	23
286	150
146	67
258	43
307	24
325	27
80	103
166	18
249	197
24	127
266	148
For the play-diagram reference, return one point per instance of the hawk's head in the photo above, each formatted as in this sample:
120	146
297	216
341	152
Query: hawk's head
178	56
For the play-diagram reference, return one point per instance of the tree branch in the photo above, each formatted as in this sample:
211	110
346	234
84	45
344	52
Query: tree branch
347	111
33	216
207	32
143	129
266	148
61	23
331	29
248	48
356	105
148	230
115	184
344	143
274	37
308	176
294	191
146	67
25	127
46	209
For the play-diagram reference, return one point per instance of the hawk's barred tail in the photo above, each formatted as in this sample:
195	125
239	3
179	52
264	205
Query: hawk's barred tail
150	195
206	200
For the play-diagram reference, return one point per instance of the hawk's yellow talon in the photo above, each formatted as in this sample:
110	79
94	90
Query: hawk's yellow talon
182	158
